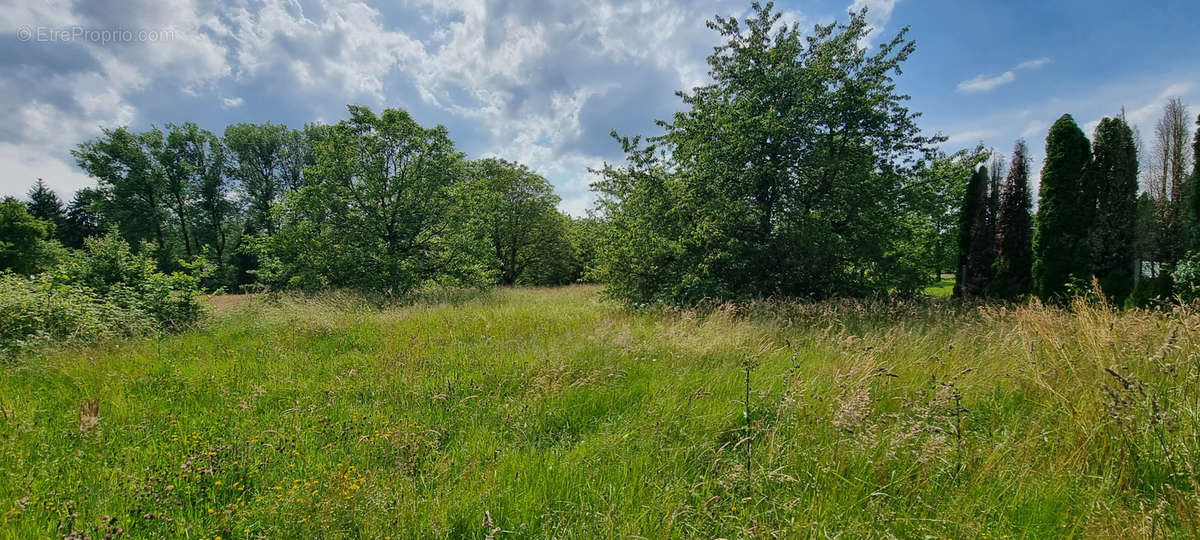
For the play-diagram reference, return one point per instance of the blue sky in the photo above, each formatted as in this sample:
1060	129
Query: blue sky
543	82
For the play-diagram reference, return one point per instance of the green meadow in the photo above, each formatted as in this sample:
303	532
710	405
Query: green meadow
551	412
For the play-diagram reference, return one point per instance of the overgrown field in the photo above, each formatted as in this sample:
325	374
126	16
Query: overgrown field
551	413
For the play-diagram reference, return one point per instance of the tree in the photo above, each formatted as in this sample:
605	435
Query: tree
1014	231
996	168
975	243
785	176
83	219
1115	172
194	161
934	192
1167	180
45	205
515	212
1060	240
134	183
25	241
260	159
1194	192
380	210
586	235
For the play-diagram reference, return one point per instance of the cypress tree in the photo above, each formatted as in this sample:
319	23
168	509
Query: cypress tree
974	266
1115	172
1014	231
1061	235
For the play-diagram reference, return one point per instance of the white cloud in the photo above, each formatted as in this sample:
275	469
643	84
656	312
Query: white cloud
22	167
68	90
1033	64
1033	128
971	136
985	83
879	12
531	69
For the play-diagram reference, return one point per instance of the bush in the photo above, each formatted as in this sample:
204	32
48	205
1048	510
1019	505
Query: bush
1187	277
37	310
25	244
105	290
107	266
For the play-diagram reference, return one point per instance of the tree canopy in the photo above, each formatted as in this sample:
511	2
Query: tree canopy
785	176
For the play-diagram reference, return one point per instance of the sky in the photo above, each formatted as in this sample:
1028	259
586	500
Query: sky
544	82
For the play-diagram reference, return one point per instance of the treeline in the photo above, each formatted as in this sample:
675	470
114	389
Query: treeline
799	172
1096	229
375	202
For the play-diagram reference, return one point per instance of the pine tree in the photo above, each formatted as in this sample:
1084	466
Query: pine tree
83	219
974	267
1061	236
1115	172
1014	231
44	204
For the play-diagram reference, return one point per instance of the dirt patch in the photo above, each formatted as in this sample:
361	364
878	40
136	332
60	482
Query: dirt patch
224	303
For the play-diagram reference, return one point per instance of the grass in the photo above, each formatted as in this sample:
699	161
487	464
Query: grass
943	288
550	413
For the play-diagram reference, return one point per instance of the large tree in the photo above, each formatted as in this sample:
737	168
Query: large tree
786	175
935	191
1014	231
1062	233
514	211
1167	175
25	241
975	244
1115	172
83	218
379	210
266	160
134	183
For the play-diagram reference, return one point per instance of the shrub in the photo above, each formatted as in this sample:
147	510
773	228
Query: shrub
109	268
104	290
25	244
1187	277
38	310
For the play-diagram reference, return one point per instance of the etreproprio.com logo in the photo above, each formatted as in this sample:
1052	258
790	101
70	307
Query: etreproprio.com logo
47	34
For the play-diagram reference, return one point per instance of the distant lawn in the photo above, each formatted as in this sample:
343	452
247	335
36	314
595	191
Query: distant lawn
548	413
943	288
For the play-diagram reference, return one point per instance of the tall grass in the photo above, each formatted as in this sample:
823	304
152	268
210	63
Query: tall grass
549	413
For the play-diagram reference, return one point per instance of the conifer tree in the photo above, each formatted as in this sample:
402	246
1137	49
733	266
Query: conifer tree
1014	231
1115	172
44	204
1061	236
974	267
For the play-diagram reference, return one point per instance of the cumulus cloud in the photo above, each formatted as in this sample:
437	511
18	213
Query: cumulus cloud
985	83
538	81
